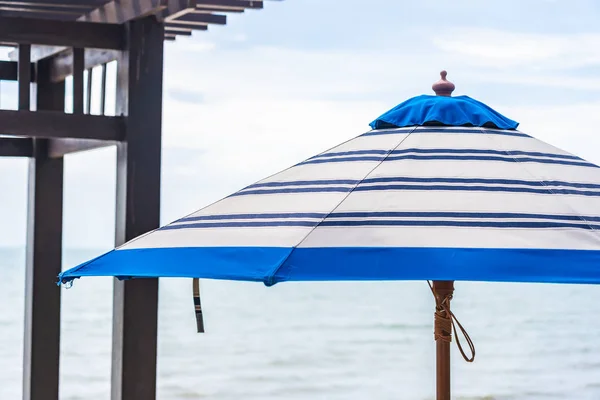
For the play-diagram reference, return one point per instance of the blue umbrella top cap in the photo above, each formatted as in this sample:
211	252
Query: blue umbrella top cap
443	109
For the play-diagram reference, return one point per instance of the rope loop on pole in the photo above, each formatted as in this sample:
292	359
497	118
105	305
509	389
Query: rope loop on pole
445	323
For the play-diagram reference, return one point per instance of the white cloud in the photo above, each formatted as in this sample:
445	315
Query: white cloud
507	49
195	45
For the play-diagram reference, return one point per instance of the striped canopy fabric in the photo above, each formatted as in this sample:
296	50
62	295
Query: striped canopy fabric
409	203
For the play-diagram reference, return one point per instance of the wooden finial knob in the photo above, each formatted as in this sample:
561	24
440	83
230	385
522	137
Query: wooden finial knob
443	87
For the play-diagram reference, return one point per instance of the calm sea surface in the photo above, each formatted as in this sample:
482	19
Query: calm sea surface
323	341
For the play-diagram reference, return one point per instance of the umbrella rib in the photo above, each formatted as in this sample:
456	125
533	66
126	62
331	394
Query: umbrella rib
543	183
270	278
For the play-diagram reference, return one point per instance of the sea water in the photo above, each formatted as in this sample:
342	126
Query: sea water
346	341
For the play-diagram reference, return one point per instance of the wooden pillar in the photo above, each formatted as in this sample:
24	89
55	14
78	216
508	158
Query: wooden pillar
135	307
443	291
44	246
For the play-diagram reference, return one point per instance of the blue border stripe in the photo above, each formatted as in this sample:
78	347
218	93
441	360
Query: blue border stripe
306	183
406	179
503	265
293	190
278	264
478	189
455	188
253	216
506	158
487	181
392	214
384	222
454	214
351	153
341	159
461	223
450	151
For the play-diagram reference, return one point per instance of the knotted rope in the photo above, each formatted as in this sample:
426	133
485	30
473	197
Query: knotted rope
445	323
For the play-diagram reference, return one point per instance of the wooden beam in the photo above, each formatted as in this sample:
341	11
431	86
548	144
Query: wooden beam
55	4
181	32
184	27
51	11
61	147
78	90
88	93
56	124
38	15
227	5
44	258
237	10
61	33
58	3
16	147
10	72
135	312
24	78
103	90
201	18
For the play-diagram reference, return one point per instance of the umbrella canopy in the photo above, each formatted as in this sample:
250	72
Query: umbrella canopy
442	188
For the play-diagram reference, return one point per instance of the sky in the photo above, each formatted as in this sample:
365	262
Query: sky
275	86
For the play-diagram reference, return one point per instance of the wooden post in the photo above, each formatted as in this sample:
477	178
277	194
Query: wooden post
44	251
135	307
442	291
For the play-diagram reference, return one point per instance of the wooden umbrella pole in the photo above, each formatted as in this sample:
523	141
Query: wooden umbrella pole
443	291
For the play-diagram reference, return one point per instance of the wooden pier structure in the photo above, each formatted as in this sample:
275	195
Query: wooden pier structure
54	39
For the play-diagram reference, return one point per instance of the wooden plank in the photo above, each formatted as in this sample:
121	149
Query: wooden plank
16	147
24	81
103	90
55	124
88	91
61	33
180	26
10	72
49	5
38	15
60	3
44	258
174	32
78	69
201	18
229	4
61	12
135	312
203	8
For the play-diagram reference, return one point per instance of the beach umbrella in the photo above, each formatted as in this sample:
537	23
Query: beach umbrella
441	189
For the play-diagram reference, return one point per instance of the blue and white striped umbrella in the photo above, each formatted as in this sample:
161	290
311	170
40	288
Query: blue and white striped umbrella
442	188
